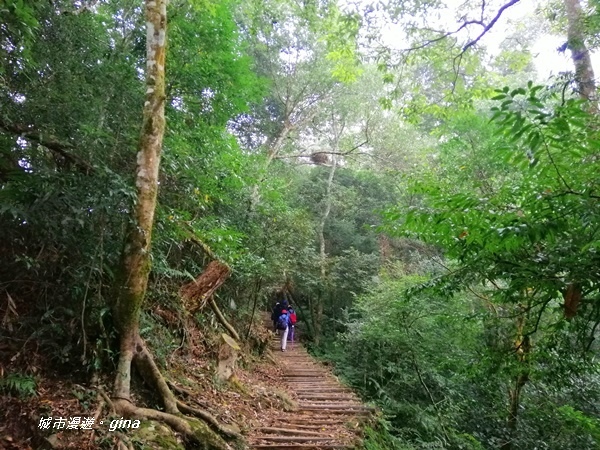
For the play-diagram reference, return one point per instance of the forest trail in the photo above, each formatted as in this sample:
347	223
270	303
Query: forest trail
329	415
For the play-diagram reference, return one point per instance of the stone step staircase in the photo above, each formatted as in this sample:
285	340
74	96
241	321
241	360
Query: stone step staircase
328	416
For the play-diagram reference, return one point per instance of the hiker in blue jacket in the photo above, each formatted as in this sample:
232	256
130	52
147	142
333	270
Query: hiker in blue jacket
283	324
276	312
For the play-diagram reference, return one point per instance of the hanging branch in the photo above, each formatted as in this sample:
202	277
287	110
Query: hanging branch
457	60
486	28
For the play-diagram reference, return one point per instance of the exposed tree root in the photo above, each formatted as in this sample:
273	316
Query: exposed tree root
193	430
206	433
222	429
153	377
200	413
181	390
101	404
107	400
123	443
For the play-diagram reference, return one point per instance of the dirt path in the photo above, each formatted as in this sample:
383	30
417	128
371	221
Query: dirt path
328	416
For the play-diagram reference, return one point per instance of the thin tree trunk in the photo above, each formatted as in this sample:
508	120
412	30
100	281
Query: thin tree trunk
257	286
136	254
136	262
318	313
572	298
275	146
522	349
303	314
584	73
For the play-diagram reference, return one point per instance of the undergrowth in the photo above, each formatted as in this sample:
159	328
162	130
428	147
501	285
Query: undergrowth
18	385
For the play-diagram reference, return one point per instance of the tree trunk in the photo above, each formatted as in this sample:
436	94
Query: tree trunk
522	347
584	73
385	248
318	313
136	254
572	298
133	276
514	403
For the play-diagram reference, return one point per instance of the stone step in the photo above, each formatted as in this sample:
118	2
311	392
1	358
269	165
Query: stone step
290	431
269	438
302	446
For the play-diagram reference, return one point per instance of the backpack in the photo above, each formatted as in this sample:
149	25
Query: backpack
282	322
293	318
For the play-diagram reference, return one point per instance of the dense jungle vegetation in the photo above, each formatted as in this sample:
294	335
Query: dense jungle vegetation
401	170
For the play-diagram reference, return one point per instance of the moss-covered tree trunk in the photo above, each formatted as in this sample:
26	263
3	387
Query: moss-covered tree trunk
136	254
133	277
584	73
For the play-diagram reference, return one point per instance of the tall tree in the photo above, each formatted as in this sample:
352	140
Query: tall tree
136	254
133	280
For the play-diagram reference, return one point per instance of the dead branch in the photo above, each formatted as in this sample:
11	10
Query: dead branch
193	238
222	319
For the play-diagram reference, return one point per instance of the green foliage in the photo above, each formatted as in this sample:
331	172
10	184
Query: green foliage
530	228
64	205
19	24
407	353
579	420
496	218
19	385
511	203
379	437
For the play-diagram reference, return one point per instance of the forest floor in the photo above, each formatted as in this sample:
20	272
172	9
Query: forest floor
279	401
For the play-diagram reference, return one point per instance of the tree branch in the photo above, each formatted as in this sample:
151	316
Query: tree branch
486	27
489	26
50	142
